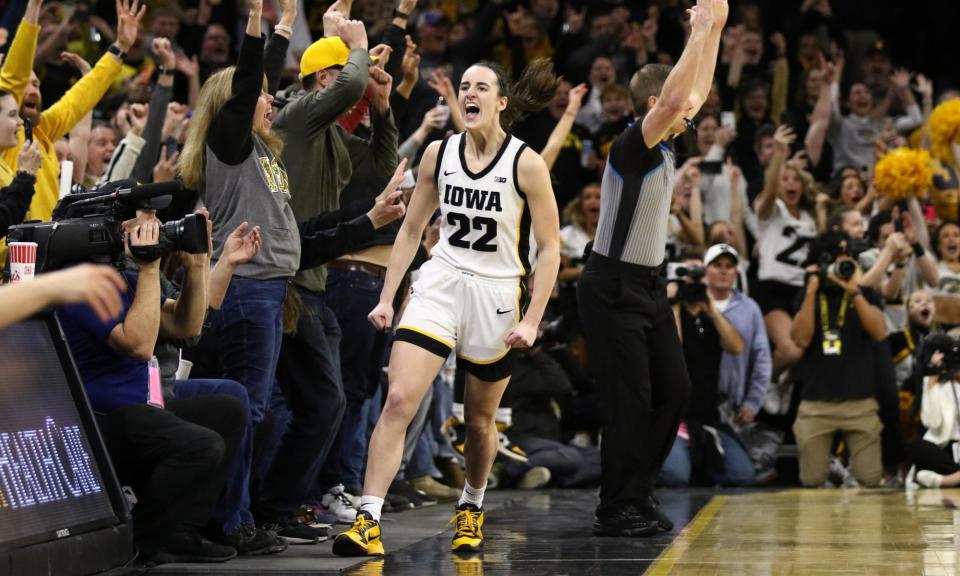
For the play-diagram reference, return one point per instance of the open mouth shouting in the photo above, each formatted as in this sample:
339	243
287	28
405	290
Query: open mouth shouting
952	249
471	112
30	108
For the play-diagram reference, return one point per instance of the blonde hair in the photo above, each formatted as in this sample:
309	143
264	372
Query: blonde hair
213	97
808	191
573	211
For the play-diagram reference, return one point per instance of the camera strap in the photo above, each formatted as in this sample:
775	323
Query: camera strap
832	345
150	253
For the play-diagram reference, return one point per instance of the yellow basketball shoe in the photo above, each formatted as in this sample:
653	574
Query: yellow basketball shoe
469	534
362	539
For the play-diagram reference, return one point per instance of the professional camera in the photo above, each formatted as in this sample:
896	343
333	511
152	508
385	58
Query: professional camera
690	292
828	248
88	227
951	355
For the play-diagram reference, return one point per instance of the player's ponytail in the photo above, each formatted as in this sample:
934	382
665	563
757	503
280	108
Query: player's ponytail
531	93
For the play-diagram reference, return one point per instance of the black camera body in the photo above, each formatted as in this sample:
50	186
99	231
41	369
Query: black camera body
690	292
949	347
833	245
88	227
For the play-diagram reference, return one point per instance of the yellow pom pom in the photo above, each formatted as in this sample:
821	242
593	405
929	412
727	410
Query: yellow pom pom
945	129
904	173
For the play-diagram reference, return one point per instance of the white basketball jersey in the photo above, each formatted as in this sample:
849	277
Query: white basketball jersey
784	243
485	221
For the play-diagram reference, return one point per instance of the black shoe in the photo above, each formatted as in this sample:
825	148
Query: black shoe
248	540
191	547
651	509
416	497
296	533
626	521
396	503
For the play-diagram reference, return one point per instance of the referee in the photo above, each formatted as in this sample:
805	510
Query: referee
635	352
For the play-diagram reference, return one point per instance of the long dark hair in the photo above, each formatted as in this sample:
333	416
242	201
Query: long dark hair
531	93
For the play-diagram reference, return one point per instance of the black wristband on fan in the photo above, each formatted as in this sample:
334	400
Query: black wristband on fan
918	250
398	14
116	51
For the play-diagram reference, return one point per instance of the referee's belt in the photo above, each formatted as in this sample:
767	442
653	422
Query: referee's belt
358	266
601	262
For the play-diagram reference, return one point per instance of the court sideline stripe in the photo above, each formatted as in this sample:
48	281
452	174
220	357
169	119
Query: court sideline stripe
664	564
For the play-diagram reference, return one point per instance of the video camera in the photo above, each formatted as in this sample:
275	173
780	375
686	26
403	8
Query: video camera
690	292
832	245
88	226
951	355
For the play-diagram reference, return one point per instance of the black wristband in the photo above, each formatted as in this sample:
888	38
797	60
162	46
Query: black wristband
918	250
398	14
166	71
116	51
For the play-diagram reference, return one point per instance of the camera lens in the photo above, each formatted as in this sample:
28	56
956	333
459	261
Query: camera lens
846	269
188	234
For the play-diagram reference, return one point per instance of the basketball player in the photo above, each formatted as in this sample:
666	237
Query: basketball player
634	349
470	297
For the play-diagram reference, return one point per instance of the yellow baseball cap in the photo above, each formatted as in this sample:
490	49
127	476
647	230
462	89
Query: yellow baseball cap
323	54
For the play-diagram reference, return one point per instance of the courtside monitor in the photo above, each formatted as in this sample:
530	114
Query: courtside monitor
55	478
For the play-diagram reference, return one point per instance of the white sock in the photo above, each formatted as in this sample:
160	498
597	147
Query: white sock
472	495
372	506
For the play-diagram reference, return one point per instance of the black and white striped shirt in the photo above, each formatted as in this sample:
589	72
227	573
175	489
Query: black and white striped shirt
636	193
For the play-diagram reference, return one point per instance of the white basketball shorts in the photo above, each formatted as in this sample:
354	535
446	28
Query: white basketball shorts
450	310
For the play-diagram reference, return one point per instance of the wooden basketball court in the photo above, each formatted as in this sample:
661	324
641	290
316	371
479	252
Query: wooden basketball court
820	532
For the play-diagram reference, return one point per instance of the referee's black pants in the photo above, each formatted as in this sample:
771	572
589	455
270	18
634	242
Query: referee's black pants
637	360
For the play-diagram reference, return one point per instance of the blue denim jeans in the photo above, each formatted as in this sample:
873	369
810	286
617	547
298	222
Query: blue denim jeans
443	410
233	508
249	328
308	405
352	295
356	459
418	461
738	468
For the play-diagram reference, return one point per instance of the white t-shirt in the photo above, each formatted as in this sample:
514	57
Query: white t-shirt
573	241
949	280
721	305
784	243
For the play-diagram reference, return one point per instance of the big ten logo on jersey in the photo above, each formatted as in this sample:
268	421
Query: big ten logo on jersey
275	174
473	199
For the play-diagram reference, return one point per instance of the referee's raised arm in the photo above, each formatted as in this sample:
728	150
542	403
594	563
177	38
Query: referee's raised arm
688	84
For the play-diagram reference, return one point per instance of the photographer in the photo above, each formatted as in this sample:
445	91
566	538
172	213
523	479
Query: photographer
744	376
173	454
937	454
837	326
707	449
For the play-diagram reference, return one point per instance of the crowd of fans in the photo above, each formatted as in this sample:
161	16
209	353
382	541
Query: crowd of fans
237	390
